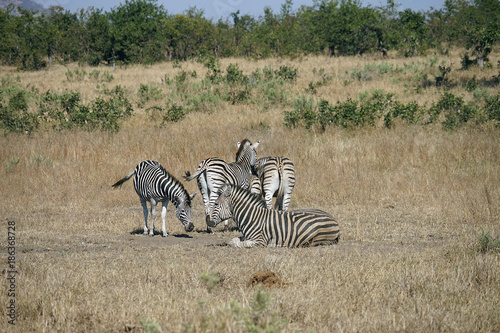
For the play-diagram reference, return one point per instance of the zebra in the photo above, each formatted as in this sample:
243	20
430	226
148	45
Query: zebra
214	172
154	184
277	179
269	227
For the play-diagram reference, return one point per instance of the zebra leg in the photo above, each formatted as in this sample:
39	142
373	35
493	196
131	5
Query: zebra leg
269	199
152	220
213	197
163	217
286	199
145	211
236	242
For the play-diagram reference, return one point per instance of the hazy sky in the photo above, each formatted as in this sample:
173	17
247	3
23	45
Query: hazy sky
215	9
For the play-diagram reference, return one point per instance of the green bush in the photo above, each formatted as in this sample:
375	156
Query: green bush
14	109
410	113
173	114
455	110
487	243
492	108
302	114
66	111
148	93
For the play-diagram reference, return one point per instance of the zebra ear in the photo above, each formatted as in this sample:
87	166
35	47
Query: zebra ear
238	144
255	145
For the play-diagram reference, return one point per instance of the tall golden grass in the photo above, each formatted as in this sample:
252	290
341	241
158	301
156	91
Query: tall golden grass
411	203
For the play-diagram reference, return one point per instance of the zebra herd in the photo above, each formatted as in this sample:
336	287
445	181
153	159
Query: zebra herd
242	190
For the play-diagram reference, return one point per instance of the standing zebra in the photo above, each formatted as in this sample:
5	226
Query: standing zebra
277	179
214	172
154	184
268	227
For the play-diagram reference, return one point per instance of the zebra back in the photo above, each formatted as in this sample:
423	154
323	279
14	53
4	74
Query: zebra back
152	181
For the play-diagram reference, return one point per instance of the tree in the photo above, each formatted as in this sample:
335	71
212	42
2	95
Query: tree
97	44
413	30
135	29
480	24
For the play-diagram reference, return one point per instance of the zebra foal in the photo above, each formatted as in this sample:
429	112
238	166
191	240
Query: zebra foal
214	172
276	176
154	184
269	227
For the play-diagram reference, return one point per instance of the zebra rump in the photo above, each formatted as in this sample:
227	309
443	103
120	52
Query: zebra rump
269	227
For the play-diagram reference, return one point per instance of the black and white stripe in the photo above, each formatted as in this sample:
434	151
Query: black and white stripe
154	184
269	227
214	172
277	178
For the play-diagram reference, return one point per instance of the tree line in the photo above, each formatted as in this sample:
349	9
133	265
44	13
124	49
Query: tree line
142	31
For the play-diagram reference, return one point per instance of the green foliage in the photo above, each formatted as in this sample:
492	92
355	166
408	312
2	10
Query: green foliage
142	31
211	280
487	243
302	114
15	115
174	114
410	113
66	110
258	317
451	111
151	326
215	73
148	93
455	110
492	108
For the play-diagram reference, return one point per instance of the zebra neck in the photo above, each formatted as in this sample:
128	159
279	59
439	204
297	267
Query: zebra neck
244	215
173	191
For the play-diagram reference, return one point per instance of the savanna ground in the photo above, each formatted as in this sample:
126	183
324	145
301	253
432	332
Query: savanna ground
412	203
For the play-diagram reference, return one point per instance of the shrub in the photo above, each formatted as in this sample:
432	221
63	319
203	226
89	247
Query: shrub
148	93
173	114
303	113
455	110
492	108
487	243
66	111
410	113
14	110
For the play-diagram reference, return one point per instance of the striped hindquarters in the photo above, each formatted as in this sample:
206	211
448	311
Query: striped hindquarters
277	179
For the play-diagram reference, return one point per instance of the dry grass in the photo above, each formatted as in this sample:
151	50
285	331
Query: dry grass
410	201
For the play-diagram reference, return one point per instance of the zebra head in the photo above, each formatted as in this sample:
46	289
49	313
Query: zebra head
247	152
221	210
183	212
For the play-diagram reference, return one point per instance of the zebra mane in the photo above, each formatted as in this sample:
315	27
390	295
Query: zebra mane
243	146
178	184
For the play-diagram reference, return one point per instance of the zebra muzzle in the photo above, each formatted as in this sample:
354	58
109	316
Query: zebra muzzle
209	221
189	227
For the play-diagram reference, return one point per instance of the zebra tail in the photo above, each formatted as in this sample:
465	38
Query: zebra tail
281	191
190	177
123	180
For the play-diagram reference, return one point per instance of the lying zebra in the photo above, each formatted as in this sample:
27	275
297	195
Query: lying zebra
268	227
154	184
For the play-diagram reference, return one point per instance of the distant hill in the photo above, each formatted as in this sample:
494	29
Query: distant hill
26	4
